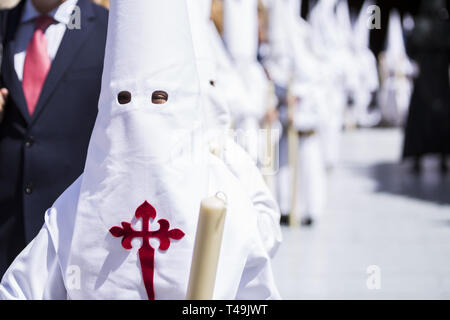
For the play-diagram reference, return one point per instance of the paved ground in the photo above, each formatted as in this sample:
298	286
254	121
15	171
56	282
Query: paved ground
378	215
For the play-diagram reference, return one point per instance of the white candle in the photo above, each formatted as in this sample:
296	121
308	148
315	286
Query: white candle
208	241
292	154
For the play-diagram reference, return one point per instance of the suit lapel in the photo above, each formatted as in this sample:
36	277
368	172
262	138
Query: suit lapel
70	45
8	72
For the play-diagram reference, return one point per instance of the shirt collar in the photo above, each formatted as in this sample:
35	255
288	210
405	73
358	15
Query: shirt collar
61	14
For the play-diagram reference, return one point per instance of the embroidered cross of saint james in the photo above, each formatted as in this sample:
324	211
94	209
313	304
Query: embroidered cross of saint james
146	253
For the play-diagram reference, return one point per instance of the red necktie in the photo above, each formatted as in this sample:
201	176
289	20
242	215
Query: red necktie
37	63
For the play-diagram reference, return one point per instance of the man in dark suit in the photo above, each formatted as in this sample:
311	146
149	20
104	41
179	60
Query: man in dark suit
50	81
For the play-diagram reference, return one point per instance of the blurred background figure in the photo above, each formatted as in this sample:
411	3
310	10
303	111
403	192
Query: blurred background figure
241	37
277	58
428	124
307	111
350	72
371	203
397	70
228	81
292	62
330	46
366	79
208	54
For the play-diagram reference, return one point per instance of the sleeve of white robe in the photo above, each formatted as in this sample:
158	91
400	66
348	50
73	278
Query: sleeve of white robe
35	274
243	167
257	281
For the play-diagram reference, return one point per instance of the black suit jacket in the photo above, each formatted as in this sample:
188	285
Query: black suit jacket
41	155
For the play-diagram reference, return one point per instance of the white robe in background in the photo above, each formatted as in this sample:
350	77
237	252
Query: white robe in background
308	114
397	71
367	67
209	56
279	65
241	39
279	60
327	45
361	74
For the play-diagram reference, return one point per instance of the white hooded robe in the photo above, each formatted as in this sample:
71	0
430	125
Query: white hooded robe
144	159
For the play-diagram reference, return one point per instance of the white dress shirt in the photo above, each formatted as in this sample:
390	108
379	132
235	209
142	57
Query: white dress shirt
54	32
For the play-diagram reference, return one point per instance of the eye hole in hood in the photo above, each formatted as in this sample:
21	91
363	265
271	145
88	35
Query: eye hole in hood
159	97
124	97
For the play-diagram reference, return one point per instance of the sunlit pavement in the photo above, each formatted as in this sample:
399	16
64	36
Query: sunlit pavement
385	235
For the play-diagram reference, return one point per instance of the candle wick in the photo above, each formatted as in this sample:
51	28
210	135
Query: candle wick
222	196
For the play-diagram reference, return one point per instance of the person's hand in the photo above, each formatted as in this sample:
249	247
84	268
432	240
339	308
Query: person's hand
271	115
293	103
3	96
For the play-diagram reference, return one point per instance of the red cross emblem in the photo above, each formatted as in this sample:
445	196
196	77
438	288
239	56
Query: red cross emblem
146	253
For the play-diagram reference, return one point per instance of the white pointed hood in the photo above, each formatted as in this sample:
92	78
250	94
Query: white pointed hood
324	23
345	25
279	61
148	168
395	43
307	68
396	58
229	82
395	40
141	151
241	39
199	17
361	29
367	63
295	6
217	113
241	29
